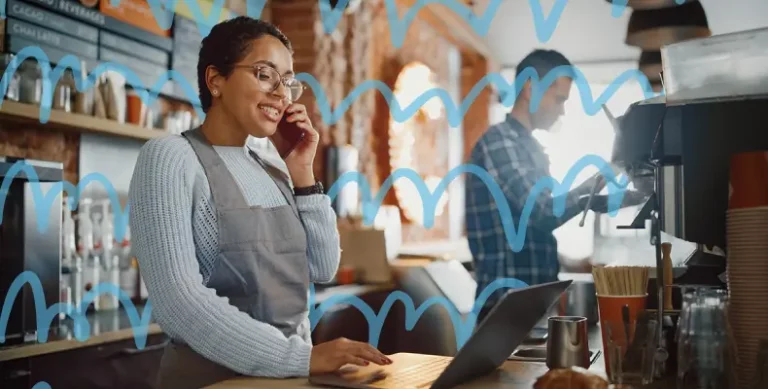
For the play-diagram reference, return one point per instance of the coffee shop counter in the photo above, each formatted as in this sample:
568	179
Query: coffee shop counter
103	326
511	374
110	357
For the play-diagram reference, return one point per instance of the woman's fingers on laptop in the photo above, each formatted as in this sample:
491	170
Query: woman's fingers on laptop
330	356
349	358
369	353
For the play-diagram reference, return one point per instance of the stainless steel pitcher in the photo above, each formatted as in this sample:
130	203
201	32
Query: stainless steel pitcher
568	342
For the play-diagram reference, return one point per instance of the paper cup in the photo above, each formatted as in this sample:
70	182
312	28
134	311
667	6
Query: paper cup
609	308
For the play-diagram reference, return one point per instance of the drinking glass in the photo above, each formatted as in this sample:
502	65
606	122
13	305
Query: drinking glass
703	340
631	348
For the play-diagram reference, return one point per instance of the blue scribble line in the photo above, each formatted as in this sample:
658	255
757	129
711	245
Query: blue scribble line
462	329
508	90
43	204
455	114
618	6
50	77
545	26
515	235
45	201
82	329
140	323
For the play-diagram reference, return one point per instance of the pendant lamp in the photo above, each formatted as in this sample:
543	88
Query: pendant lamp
652	29
650	65
651	4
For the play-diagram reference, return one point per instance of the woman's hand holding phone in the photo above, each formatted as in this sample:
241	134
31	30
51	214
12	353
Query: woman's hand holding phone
297	151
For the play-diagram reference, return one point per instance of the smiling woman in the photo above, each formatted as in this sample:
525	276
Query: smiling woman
229	238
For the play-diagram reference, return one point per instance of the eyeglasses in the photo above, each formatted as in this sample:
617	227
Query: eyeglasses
269	80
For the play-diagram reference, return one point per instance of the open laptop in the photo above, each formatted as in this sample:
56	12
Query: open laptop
497	336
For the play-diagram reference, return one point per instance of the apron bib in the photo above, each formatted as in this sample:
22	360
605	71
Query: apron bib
262	266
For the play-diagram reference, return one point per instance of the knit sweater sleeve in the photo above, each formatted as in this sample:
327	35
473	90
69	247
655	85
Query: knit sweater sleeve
323	248
161	204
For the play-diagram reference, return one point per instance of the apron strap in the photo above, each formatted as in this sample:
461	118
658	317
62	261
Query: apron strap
224	189
281	180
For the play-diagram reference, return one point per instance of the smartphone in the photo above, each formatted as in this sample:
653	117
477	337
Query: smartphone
287	137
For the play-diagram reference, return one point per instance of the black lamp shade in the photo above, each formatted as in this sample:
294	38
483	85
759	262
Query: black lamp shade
652	4
650	65
652	29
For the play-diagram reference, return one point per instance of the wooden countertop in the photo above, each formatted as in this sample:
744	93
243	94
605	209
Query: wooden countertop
512	374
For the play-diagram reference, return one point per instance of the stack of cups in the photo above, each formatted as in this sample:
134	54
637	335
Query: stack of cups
747	269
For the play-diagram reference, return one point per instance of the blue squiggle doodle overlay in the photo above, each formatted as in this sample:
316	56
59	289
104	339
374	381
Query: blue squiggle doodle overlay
515	239
545	26
140	324
45	314
455	115
515	235
50	77
462	329
44	202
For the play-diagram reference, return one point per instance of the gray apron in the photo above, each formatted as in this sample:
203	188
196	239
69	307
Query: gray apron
262	266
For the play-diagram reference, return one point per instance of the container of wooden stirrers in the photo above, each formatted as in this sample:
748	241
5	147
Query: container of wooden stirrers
616	288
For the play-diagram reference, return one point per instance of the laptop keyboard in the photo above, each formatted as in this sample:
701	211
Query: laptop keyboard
417	375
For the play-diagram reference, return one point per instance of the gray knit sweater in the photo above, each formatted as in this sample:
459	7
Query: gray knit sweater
175	238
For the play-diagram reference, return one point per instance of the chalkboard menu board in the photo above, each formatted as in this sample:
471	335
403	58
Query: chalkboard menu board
127	34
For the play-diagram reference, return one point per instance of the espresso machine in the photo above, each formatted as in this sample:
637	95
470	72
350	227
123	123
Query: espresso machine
676	148
679	155
25	246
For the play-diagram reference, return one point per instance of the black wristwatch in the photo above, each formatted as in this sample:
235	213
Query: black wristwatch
317	188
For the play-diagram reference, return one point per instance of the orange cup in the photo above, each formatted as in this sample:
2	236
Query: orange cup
134	108
610	315
345	275
749	180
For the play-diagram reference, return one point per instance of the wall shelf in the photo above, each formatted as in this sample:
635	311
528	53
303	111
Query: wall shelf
65	121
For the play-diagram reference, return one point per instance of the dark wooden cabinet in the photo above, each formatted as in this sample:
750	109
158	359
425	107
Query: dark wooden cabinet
110	365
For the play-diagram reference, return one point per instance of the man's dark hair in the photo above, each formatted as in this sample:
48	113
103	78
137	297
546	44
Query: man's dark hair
542	61
227	44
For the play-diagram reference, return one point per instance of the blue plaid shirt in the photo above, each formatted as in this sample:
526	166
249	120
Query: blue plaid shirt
516	161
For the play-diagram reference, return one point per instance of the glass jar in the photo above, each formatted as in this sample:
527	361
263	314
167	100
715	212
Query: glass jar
62	95
84	99
10	82
31	82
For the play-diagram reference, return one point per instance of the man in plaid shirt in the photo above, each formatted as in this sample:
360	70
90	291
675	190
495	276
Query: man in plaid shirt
516	161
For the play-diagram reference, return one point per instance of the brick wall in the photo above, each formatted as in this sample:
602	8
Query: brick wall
476	120
24	141
422	44
338	61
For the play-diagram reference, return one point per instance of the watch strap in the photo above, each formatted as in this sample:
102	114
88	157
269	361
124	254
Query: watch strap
317	188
